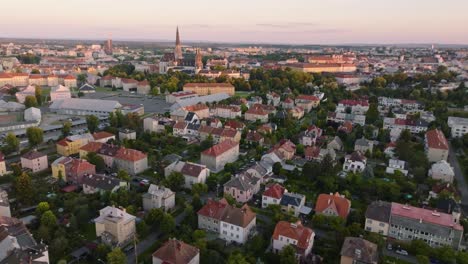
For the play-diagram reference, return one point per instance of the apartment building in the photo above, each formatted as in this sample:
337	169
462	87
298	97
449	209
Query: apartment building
458	126
115	227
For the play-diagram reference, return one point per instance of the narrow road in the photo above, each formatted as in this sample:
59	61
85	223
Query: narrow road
146	243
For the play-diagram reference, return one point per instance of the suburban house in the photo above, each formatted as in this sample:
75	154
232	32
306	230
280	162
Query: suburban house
286	147
254	114
115	227
396	165
232	224
3	170
355	162
378	217
353	106
103	136
363	145
35	161
158	197
307	102
333	205
272	195
4	204
296	112
359	250
192	172
294	203
458	126
407	222
59	92
219	134
254	137
71	169
71	145
176	251
442	170
335	144
273	99
100	183
436	146
310	136
242	187
218	155
301	238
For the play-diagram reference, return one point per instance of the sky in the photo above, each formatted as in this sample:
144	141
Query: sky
242	21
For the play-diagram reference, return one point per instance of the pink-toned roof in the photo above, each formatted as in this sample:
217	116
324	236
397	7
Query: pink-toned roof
349	102
307	97
92	147
213	209
220	148
425	215
102	135
436	139
297	231
130	154
276	191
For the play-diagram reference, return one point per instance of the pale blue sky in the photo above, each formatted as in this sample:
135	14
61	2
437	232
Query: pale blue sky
275	21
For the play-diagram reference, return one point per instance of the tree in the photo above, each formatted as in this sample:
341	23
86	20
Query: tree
42	207
462	257
81	78
237	258
199	188
372	114
35	136
288	255
30	101
66	128
116	256
96	160
174	181
38	94
35	71
277	168
92	122
24	189
48	219
154	216
12	143
167	223
123	175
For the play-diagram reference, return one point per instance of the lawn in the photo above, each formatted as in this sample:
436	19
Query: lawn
243	94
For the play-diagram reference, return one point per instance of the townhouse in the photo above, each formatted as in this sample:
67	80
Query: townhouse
232	224
71	145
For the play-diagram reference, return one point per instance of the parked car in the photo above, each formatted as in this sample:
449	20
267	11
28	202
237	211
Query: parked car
144	182
389	247
402	252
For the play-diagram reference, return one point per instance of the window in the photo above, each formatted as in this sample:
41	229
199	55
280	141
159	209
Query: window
381	224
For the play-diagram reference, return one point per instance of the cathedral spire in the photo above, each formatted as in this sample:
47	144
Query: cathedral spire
178	47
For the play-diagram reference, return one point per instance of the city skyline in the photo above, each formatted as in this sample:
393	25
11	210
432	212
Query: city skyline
302	22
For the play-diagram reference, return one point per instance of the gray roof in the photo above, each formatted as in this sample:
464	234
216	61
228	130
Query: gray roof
360	249
86	104
379	211
362	142
291	199
100	181
243	182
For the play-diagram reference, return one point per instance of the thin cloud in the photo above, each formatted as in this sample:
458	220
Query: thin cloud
287	25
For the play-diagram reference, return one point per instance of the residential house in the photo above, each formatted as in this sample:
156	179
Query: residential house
115	227
71	145
378	217
273	99
355	162
346	127
156	124
294	203
339	117
254	114
4	204
296	112
442	170
176	251
103	137
363	145
192	172
333	205
201	110
158	197
254	137
234	124
71	169
18	245
288	103
3	169
301	238
143	87
414	126
30	90
226	111
232	224
35	161
100	183
307	102
242	187
396	165
310	136
436	146
353	106
359	250
335	144
128	134
218	155
458	126
272	194
60	92
219	134
286	147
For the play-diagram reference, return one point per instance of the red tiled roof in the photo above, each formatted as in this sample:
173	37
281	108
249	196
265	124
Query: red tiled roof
63	142
234	124
197	107
130	154
436	139
312	152
80	166
424	215
213	209
349	102
92	147
220	148
192	169
102	135
275	191
339	204
308	97
303	235
176	252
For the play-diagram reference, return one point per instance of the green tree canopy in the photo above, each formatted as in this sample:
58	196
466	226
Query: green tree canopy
30	101
35	136
116	256
92	122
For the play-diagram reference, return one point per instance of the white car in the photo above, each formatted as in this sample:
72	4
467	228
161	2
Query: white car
402	252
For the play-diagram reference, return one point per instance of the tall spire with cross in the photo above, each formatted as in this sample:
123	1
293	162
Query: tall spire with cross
178	46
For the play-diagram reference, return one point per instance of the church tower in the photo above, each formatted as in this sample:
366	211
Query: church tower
178	47
198	60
